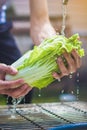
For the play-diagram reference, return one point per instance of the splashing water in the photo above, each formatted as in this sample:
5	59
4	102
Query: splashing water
13	112
15	102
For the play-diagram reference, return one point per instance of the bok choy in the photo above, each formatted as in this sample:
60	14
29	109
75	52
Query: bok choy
37	65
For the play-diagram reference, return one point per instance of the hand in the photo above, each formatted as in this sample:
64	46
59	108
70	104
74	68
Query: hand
41	30
15	88
73	61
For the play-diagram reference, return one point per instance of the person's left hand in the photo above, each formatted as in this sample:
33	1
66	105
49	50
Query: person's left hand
41	30
73	61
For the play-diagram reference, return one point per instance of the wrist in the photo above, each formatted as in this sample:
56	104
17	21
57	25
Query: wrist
39	18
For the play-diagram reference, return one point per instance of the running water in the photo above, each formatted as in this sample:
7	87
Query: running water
77	88
15	102
64	5
63	96
13	112
64	10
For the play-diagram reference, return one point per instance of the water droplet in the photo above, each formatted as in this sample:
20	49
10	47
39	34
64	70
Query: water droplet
39	95
24	100
77	94
7	99
59	80
72	92
70	76
62	91
78	74
77	80
77	89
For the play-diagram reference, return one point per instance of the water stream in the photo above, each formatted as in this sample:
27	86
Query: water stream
72	96
15	102
64	14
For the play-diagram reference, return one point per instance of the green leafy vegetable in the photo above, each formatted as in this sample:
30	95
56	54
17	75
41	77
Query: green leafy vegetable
36	66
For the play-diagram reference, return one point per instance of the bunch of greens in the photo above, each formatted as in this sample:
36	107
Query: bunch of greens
36	66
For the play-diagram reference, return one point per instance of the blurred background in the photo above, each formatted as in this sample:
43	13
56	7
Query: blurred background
76	22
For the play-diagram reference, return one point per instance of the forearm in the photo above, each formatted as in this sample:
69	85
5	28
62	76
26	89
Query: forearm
39	10
41	27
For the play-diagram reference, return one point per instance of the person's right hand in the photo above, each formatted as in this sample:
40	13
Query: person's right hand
15	88
73	63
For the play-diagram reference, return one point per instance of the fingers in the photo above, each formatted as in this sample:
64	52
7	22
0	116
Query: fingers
56	76
17	92
76	58
63	70
7	69
73	62
11	84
